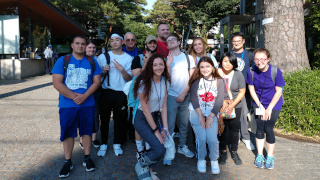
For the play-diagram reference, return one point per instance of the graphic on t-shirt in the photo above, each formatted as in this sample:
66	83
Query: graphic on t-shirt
241	64
77	77
207	97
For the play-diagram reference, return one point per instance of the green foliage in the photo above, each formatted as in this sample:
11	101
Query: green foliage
312	23
300	112
140	29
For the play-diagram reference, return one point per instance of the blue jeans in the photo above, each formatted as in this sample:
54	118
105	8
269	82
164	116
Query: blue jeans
143	128
174	107
205	136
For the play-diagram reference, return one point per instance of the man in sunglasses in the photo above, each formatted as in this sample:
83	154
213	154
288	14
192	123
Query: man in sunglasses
130	45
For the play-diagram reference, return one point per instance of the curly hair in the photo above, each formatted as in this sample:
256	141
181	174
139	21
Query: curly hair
146	76
197	74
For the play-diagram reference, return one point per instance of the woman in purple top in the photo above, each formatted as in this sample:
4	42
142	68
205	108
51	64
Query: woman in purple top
266	92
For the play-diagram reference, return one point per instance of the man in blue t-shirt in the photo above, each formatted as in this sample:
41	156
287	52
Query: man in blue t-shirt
244	58
76	86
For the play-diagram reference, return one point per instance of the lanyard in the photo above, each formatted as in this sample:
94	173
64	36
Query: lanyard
263	84
241	57
158	114
159	96
205	89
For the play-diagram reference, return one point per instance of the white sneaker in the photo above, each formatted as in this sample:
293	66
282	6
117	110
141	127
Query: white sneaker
248	144
103	150
153	175
184	150
215	167
117	149
201	165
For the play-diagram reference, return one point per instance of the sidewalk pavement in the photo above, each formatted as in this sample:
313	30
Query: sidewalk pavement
30	146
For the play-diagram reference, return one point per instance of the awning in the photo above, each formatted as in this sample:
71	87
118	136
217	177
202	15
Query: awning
61	23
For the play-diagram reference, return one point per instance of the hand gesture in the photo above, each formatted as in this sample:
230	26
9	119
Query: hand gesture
180	98
106	68
209	122
267	115
202	121
169	59
147	56
159	136
117	65
79	99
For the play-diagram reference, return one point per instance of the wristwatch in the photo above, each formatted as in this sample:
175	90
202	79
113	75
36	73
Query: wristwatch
154	130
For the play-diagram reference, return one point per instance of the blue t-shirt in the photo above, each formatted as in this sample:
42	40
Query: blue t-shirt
269	87
243	62
78	78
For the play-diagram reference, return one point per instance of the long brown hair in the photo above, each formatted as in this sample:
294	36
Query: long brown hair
146	76
197	74
193	53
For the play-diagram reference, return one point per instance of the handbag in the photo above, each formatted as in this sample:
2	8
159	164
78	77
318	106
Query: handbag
221	126
226	104
252	125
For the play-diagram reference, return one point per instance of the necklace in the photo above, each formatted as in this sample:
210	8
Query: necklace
159	96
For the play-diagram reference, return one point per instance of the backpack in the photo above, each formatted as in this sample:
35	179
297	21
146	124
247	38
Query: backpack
106	54
132	101
141	60
274	72
66	60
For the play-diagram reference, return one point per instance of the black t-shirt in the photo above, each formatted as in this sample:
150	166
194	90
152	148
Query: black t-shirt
136	63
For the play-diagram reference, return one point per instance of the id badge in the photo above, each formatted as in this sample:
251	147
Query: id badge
260	111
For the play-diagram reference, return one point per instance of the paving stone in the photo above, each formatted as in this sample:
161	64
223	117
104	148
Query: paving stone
30	147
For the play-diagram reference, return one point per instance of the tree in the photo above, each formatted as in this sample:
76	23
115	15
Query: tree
285	37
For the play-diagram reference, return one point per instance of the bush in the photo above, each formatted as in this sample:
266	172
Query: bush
300	112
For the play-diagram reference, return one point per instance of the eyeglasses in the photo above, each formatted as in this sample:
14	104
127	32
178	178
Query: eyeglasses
171	40
236	42
132	40
261	60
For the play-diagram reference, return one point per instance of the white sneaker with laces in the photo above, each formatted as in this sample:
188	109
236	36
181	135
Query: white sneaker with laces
117	149
103	150
215	167
202	166
185	151
248	144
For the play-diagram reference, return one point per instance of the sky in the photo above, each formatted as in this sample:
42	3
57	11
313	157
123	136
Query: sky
150	4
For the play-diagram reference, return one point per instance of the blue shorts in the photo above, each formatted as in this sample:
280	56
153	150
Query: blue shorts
74	117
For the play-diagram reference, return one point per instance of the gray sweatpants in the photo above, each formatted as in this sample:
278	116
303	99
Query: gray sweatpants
205	136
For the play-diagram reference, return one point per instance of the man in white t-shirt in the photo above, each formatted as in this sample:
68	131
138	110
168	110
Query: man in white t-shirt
181	67
112	97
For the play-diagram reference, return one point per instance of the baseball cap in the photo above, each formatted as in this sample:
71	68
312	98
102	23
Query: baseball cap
151	38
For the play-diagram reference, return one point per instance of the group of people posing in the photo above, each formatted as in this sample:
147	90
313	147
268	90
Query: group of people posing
173	89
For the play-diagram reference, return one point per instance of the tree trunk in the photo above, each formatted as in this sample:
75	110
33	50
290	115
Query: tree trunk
285	37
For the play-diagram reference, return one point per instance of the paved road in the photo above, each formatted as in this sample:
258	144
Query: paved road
30	146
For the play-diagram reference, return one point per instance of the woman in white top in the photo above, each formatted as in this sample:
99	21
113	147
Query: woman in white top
151	117
206	96
198	50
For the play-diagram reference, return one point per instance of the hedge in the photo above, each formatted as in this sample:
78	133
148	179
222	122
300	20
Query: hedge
300	112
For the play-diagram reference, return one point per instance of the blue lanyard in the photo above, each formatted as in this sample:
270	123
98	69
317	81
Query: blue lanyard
241	57
159	96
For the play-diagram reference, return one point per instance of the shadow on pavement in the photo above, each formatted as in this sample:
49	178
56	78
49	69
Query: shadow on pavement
24	90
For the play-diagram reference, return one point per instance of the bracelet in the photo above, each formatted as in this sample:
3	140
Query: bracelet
211	116
154	130
145	56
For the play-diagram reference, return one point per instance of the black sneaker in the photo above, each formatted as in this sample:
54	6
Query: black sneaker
80	144
96	143
139	154
223	157
236	158
65	170
88	163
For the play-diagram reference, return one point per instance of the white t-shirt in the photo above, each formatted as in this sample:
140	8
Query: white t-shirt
156	93
215	63
117	81
180	74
